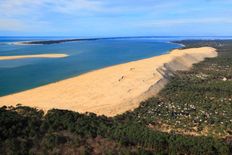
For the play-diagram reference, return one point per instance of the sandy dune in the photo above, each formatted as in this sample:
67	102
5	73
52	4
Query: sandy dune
111	90
33	56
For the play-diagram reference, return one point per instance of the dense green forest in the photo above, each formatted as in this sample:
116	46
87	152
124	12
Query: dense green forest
191	115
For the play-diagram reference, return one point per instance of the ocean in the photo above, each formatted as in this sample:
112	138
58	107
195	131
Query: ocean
84	56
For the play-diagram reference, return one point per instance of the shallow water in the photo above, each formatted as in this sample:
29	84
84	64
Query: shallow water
84	56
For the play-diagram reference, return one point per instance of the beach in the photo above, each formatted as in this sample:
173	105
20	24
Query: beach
33	56
112	90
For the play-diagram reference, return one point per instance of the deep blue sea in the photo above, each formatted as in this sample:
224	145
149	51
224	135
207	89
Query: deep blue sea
84	56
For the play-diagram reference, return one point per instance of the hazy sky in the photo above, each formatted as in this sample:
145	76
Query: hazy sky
91	18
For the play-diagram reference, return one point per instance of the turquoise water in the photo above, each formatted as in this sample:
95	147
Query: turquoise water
84	56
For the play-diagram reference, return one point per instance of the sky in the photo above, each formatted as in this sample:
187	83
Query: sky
109	18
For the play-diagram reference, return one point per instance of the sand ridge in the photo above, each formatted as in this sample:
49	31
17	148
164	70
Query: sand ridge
33	56
112	90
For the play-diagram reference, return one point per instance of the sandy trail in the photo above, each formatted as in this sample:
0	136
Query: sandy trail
112	90
33	56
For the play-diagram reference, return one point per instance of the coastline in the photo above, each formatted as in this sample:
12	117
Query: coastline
112	90
33	56
173	42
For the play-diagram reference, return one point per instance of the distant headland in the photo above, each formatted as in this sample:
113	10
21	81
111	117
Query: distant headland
57	41
47	42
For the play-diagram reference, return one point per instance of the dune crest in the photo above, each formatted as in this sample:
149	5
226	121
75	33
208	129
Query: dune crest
112	90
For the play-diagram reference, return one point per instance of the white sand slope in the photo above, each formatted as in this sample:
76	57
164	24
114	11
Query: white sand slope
33	56
111	90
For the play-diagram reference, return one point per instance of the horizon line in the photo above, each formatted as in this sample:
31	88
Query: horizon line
140	36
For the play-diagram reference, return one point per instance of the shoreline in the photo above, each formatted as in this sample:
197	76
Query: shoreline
33	56
111	90
173	42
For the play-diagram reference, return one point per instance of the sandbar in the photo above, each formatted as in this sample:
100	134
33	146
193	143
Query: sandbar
33	56
112	90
